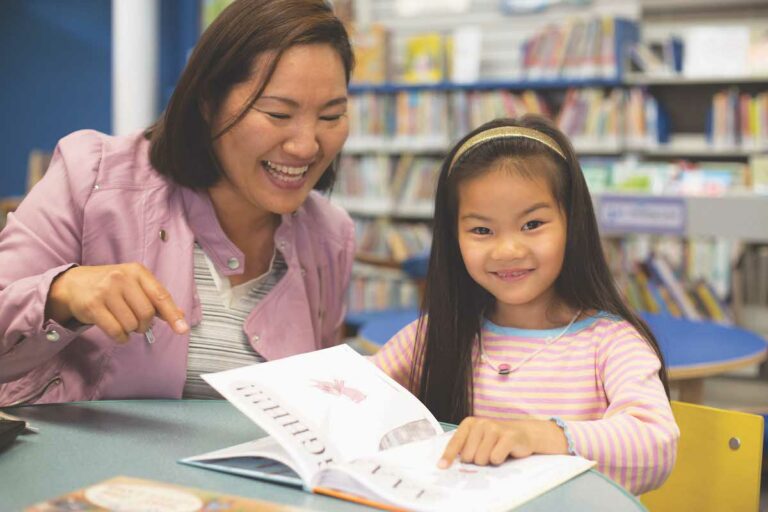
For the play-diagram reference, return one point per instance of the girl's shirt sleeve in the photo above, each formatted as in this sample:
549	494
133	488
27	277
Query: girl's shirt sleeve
395	358
635	442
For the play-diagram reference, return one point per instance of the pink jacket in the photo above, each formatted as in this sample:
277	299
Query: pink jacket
101	202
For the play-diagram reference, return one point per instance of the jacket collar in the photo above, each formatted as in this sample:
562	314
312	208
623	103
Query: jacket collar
201	216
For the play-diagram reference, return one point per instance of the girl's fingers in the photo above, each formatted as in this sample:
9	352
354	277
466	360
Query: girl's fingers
502	449
455	445
475	436
487	444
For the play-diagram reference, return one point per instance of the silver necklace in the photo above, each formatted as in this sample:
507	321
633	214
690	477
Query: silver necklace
505	368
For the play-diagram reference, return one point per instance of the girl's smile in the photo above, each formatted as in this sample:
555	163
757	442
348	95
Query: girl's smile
513	275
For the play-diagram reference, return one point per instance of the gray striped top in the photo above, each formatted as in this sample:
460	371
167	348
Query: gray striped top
219	342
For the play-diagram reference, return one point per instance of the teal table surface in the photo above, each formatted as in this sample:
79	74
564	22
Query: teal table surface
83	443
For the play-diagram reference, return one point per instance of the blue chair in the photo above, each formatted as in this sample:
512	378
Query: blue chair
416	265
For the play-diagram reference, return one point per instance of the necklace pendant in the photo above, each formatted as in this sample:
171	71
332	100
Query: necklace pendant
504	369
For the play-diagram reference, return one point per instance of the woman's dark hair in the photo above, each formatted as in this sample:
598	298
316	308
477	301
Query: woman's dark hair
454	304
181	140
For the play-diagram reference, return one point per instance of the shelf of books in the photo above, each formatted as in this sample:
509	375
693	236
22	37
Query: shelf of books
671	153
700	217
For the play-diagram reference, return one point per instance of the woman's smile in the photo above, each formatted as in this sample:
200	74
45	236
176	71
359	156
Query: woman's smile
284	176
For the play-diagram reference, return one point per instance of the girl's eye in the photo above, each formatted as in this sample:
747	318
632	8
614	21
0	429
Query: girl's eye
332	118
532	224
480	231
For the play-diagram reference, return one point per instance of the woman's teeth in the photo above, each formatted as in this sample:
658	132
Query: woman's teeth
285	172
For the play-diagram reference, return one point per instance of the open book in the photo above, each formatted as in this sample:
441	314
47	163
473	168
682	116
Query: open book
338	425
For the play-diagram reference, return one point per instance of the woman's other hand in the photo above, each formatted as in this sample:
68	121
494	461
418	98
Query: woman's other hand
119	299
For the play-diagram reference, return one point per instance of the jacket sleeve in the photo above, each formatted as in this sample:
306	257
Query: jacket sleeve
635	442
41	240
338	310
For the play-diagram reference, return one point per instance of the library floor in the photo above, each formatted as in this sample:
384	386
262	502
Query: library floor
738	392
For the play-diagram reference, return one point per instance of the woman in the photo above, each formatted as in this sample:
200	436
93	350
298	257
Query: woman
140	262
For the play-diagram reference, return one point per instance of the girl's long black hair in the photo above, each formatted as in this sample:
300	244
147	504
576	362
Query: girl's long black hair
454	304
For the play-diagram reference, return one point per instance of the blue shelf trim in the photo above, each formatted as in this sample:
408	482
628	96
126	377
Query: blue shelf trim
390	88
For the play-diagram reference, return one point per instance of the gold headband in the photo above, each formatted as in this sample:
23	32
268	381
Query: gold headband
504	132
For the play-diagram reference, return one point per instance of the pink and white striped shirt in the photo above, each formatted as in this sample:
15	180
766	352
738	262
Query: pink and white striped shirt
600	377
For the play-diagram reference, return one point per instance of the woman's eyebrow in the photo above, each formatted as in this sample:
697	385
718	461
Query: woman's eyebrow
295	104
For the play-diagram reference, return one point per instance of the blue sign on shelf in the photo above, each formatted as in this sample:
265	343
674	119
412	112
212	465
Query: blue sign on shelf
632	214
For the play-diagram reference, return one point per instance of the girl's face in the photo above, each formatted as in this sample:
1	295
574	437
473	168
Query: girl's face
273	157
512	236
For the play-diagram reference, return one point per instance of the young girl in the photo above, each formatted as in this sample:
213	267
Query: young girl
524	339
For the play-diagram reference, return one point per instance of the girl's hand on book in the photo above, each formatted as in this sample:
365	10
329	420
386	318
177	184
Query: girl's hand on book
483	441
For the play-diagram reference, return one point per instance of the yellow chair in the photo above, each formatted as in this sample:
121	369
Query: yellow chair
718	465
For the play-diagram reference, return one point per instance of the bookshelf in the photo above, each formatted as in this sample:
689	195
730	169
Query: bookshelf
683	81
679	130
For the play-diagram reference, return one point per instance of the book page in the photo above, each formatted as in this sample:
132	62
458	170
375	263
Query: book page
327	406
262	458
408	477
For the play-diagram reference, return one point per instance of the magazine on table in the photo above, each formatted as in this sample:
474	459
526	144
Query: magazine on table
338	425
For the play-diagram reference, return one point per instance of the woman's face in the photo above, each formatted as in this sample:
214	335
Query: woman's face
276	153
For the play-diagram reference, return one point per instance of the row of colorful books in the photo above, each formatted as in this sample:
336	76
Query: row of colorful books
679	178
375	287
682	263
470	109
592	117
684	278
739	119
580	48
405	113
387	183
656	286
615	118
652	287
389	241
